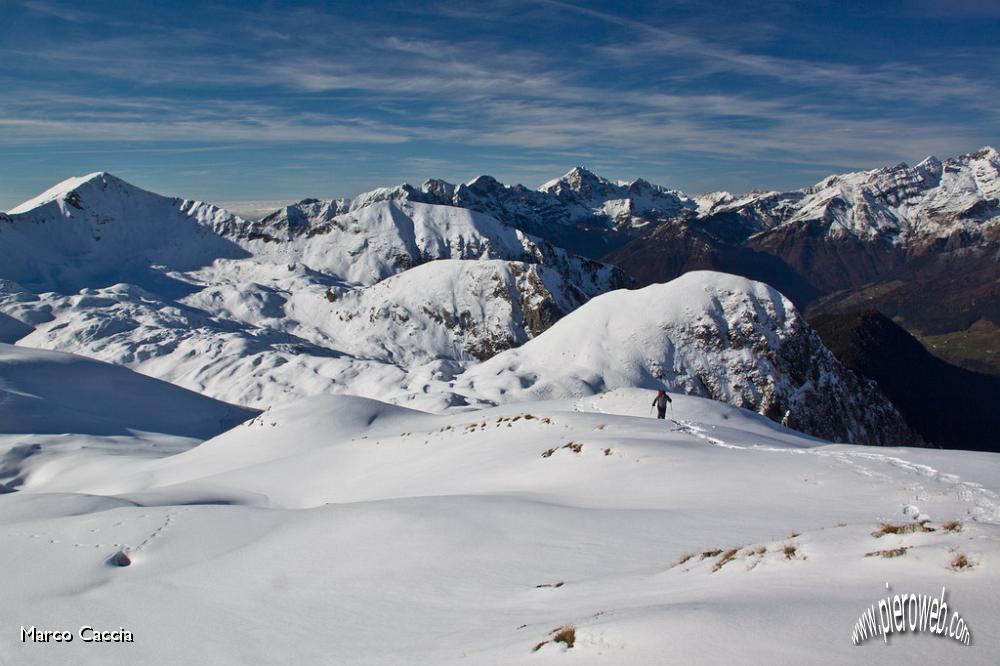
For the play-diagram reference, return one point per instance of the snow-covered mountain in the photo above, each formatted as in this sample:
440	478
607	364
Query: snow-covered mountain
96	230
708	334
99	228
394	299
256	312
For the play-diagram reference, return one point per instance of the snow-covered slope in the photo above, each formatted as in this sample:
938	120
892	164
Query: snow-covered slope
50	392
708	334
340	530
60	412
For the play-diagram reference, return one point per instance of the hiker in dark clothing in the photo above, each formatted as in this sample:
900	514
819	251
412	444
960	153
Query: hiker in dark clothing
661	401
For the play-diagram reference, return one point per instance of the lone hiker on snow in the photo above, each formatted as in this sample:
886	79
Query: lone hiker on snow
661	401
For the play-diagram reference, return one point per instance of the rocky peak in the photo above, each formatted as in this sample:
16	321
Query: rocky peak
438	189
986	153
582	183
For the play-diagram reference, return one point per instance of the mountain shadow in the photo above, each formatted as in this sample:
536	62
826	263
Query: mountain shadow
948	406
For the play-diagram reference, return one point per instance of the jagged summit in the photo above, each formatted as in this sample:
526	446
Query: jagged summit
986	152
580	181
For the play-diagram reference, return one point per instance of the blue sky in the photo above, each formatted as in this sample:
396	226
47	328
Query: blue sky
278	100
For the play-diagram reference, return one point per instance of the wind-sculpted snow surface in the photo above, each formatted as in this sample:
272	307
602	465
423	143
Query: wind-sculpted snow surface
344	530
708	334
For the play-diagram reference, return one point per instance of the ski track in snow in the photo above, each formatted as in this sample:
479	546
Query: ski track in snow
984	502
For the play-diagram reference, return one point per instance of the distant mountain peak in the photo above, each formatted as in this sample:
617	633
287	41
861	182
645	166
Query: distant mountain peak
578	179
484	183
66	188
578	176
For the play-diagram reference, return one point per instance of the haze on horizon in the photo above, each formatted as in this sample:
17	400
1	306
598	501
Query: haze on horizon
279	101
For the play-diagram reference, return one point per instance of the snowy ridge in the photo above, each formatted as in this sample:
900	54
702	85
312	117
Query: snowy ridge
633	204
901	204
379	235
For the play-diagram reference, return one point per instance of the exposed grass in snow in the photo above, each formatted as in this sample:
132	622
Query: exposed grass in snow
724	559
901	528
960	562
890	553
565	635
952	526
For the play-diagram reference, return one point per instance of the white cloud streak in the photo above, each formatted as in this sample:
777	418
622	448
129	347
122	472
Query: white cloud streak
308	77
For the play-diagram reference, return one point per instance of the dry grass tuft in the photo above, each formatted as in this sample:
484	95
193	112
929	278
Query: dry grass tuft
575	447
952	526
789	549
710	553
906	528
565	635
607	451
756	550
548	452
892	552
960	562
599	426
726	557
682	559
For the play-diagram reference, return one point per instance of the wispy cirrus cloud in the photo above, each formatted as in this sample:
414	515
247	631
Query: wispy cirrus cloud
437	88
